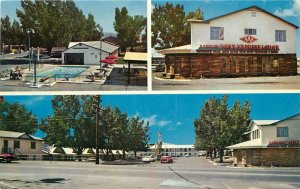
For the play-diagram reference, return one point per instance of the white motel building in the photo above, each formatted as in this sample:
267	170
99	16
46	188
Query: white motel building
271	142
88	53
247	42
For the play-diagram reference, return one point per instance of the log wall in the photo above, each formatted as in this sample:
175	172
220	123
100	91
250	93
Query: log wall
197	65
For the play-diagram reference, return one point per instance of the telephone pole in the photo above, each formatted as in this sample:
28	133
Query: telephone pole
97	105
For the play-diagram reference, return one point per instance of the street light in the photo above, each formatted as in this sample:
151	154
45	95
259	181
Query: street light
100	30
29	30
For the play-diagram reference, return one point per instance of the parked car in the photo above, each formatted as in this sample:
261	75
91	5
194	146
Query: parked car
6	158
166	159
148	159
160	68
202	153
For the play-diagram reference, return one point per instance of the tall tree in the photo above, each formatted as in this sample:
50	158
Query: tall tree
169	25
73	122
219	126
15	117
56	23
128	28
138	135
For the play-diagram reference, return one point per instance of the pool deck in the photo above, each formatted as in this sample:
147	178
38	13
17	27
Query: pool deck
116	81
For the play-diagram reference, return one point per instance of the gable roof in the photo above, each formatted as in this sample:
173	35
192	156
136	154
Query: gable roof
248	8
107	47
17	135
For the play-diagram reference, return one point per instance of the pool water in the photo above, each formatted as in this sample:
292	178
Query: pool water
63	71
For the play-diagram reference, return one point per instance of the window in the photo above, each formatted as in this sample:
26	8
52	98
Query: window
216	33
33	145
249	31
280	36
253	14
282	132
16	144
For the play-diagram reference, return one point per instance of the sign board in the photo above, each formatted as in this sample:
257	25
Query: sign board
284	143
239	48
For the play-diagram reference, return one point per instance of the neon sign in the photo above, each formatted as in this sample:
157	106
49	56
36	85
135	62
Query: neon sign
229	48
284	143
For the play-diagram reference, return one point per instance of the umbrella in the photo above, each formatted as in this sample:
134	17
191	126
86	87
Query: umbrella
111	57
108	61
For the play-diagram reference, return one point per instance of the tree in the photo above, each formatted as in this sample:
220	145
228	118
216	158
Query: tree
73	122
15	117
169	25
220	126
56	23
128	28
138	135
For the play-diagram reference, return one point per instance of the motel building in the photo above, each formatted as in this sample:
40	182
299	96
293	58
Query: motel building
247	42
88	53
175	150
20	144
272	143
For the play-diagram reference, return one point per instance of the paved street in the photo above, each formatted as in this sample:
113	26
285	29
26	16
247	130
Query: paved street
248	83
184	173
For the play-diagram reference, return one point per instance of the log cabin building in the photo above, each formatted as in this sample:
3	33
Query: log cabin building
247	42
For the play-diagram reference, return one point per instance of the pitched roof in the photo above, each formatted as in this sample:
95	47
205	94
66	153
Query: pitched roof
248	8
179	49
107	47
16	135
247	144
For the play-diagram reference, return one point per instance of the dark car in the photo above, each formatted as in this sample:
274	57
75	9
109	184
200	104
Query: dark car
160	68
166	159
6	158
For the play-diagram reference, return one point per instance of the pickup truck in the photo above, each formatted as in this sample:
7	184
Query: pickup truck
6	158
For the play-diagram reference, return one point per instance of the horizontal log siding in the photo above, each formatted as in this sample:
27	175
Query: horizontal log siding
196	65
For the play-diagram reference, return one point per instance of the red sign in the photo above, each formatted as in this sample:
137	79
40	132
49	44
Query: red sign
284	143
239	48
248	39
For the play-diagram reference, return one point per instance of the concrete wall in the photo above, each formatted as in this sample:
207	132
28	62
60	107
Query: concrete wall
267	156
234	26
25	146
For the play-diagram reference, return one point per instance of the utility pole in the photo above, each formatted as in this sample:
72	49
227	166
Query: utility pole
97	105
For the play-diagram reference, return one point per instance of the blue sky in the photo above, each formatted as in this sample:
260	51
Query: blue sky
103	11
286	9
174	114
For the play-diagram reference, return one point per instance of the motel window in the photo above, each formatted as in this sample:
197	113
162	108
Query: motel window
33	145
249	31
282	132
217	33
16	144
280	36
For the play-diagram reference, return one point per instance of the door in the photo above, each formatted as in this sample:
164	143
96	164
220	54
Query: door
74	58
5	147
267	62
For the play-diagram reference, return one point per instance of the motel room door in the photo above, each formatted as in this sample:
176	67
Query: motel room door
5	147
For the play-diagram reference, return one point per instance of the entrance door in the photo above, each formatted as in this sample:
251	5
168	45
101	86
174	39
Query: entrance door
74	58
242	65
267	63
5	148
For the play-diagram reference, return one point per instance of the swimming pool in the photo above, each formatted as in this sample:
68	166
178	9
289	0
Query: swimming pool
63	71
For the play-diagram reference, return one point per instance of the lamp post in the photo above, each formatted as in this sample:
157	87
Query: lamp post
100	30
29	30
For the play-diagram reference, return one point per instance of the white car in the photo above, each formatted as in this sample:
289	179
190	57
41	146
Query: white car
147	159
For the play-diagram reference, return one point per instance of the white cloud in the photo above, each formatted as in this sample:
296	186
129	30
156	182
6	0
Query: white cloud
33	100
151	120
178	123
163	123
293	11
